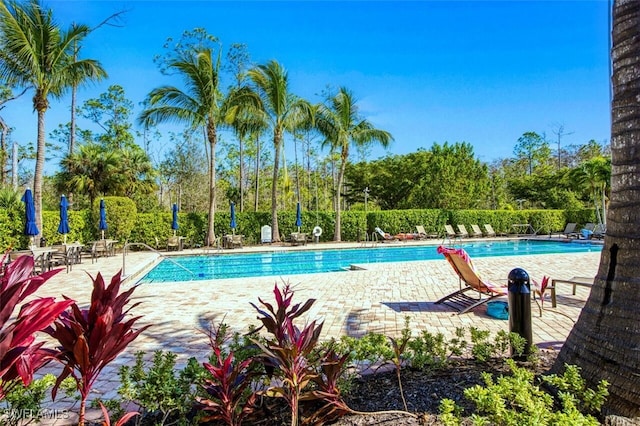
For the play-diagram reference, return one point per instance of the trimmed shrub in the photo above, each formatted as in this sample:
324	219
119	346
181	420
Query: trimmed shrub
126	225
121	218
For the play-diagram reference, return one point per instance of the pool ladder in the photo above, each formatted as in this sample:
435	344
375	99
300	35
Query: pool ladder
127	245
370	240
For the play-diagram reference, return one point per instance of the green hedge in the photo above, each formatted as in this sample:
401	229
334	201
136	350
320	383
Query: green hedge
397	221
154	228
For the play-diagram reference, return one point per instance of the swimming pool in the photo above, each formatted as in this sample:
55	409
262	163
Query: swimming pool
276	263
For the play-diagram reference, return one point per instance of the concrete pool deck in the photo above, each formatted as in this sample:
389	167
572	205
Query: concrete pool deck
377	299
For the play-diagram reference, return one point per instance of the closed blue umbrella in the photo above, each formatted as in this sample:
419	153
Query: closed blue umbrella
63	227
233	218
174	222
298	217
103	218
30	227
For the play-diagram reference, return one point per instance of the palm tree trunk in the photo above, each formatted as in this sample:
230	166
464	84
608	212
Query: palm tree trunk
606	339
257	194
39	170
4	130
240	183
337	236
277	142
213	138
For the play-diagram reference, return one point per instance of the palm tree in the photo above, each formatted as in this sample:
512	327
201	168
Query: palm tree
341	125
605	340
283	111
91	170
36	53
595	175
198	106
247	124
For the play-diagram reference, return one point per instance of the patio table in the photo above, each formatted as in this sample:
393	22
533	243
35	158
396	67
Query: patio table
574	281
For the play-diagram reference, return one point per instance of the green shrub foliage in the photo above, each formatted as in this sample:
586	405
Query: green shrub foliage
121	217
154	228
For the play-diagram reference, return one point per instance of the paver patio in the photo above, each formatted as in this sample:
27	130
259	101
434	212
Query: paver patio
351	303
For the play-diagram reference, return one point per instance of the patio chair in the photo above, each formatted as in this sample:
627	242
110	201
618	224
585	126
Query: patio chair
460	300
298	238
232	241
96	249
63	256
462	231
173	243
475	231
570	230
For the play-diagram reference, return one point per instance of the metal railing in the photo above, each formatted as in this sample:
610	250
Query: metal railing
127	245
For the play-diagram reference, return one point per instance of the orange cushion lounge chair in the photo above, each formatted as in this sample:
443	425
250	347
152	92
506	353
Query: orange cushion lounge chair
461	264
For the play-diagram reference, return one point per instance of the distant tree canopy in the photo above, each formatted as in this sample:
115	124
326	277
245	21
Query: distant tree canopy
447	176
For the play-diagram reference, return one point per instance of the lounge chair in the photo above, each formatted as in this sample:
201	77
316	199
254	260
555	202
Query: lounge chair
449	232
570	230
488	231
462	231
587	231
599	231
422	233
461	264
476	232
385	235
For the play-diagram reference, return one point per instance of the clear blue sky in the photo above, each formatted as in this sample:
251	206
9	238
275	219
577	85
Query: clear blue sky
478	72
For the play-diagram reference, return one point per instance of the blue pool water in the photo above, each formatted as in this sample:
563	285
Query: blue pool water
217	266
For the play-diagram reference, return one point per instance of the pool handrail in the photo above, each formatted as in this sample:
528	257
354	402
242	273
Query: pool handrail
127	245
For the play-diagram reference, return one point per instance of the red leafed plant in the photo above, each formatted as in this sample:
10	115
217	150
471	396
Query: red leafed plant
288	354
543	288
227	386
91	338
121	421
332	367
20	356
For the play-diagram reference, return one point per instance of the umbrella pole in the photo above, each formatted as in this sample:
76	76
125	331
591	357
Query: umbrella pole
102	234
65	239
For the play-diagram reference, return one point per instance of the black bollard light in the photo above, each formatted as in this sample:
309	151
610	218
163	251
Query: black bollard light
520	306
